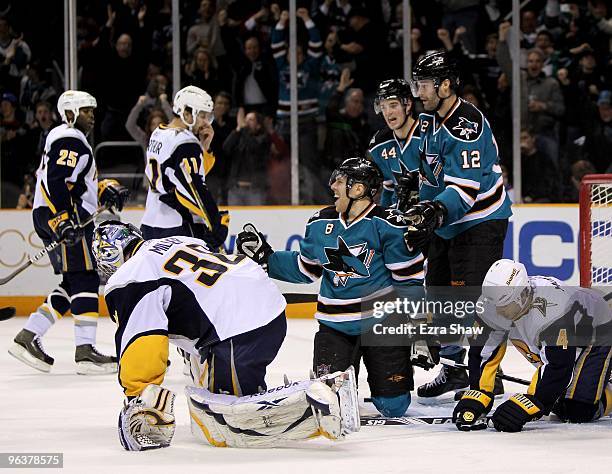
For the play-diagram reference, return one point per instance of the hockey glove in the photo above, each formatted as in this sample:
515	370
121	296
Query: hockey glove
469	413
64	228
147	421
215	238
424	355
407	191
112	194
423	218
253	244
512	415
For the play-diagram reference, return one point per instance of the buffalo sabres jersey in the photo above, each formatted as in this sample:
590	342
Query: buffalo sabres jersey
172	154
459	166
560	321
66	176
176	289
358	263
394	157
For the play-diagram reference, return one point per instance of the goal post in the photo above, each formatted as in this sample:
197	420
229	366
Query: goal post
596	230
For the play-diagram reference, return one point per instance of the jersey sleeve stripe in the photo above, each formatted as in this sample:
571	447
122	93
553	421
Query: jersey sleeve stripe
469	200
186	202
464	183
312	271
398	266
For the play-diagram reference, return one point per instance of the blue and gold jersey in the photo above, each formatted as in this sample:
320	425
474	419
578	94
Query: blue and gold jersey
358	263
394	157
459	166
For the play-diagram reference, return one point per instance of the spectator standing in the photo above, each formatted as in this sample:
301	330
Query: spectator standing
216	179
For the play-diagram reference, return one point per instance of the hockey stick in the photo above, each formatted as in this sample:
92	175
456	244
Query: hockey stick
407	420
196	196
7	313
52	246
509	378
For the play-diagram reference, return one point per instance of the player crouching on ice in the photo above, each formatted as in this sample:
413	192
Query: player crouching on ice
227	313
565	332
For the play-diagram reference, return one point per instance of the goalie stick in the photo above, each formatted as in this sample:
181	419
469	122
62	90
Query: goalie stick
52	246
7	313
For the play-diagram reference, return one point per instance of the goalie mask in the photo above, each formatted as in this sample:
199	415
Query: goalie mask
74	101
113	244
195	100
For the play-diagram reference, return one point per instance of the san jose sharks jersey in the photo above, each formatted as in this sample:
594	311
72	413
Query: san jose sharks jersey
358	263
176	290
395	158
172	153
459	166
560	322
67	174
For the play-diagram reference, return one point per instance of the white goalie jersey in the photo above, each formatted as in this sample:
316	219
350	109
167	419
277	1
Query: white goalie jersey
175	290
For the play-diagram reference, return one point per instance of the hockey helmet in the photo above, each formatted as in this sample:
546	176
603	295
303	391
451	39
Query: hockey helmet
359	170
434	66
197	100
113	244
74	101
392	89
505	282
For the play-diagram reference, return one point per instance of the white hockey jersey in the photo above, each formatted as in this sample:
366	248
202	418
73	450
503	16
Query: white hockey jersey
67	174
174	289
170	151
562	320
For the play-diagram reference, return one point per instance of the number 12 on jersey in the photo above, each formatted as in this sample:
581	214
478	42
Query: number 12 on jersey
471	159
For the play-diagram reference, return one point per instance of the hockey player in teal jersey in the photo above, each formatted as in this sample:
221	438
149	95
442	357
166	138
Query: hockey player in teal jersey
395	148
357	249
462	217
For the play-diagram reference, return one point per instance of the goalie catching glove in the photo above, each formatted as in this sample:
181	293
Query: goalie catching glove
512	415
470	413
252	243
113	194
147	421
423	219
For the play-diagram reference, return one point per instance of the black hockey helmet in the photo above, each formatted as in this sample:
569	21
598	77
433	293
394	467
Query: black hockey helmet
359	170
436	66
392	89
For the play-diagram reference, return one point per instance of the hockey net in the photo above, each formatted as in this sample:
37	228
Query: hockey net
596	231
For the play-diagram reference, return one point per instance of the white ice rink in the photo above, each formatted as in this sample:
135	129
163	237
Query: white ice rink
77	415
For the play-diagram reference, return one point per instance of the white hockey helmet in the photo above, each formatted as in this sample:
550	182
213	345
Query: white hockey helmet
196	99
504	282
74	101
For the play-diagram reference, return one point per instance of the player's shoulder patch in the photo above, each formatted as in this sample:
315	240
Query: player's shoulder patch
326	213
391	217
465	123
425	121
381	136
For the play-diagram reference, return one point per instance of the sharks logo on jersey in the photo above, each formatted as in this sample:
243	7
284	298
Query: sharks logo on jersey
430	167
466	127
348	262
404	172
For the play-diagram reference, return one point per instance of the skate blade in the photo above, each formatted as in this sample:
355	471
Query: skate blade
445	398
89	368
21	354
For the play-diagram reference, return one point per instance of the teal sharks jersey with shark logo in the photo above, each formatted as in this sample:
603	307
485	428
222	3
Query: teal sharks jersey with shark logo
358	263
459	166
395	158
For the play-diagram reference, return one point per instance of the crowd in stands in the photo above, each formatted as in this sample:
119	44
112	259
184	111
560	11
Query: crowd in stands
238	52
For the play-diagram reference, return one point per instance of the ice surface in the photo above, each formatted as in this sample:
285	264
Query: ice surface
77	415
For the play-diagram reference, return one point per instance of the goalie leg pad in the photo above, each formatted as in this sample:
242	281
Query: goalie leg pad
147	421
300	410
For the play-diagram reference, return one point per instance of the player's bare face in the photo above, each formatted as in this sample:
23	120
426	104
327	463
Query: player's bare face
428	94
511	311
85	120
203	121
338	187
394	113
